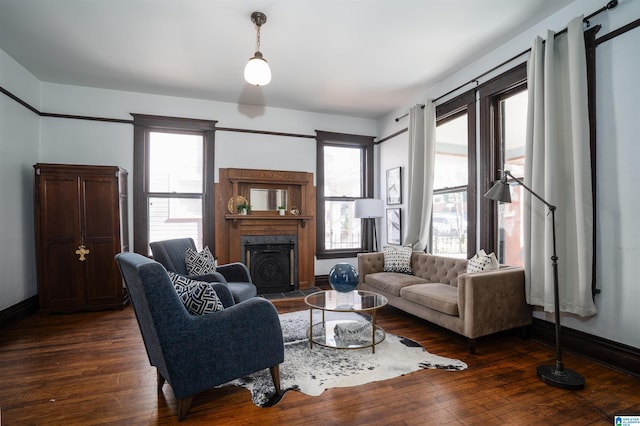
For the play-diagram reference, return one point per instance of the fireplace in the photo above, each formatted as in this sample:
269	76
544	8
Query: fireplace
264	225
272	261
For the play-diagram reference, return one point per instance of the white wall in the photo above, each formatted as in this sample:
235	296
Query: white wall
19	134
90	142
618	230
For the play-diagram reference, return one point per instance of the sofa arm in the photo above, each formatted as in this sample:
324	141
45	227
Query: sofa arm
492	301
369	263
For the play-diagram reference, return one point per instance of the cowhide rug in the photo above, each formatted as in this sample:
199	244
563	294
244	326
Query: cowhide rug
312	371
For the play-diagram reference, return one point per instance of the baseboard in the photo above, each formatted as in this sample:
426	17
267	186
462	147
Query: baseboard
18	311
613	354
322	281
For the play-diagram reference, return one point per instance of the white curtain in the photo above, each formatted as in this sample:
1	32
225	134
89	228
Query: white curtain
422	142
558	168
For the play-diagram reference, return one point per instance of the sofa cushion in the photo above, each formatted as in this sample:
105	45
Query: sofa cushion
391	282
397	259
438	269
483	262
439	297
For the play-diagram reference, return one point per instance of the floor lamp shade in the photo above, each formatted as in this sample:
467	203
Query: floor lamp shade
370	209
555	375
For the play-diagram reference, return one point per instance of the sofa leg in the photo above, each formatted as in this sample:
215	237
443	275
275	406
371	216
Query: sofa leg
184	405
472	346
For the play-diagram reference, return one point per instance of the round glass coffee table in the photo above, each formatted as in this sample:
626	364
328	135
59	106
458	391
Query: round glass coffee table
356	329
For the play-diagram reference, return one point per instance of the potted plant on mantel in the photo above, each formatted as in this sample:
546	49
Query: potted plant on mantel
281	210
243	208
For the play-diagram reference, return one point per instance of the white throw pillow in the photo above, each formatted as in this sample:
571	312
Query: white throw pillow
198	297
199	263
397	259
482	262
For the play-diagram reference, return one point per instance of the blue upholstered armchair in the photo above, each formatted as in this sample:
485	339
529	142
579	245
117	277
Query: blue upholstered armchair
236	275
194	353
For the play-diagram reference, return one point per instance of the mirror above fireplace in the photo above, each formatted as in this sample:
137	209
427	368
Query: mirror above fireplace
267	199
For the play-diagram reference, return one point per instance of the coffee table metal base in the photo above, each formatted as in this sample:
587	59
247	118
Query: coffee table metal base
358	331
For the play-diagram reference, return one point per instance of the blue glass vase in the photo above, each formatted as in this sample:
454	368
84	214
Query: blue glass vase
343	277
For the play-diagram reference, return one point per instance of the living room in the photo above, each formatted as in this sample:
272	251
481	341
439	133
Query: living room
276	138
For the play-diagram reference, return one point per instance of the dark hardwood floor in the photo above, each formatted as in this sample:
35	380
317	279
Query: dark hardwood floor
92	369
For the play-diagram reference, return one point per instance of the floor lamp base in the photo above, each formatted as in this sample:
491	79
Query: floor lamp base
565	379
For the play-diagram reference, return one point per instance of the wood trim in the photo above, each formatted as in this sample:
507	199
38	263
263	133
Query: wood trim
232	227
20	310
613	354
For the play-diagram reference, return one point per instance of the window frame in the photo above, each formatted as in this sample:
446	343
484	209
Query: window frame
365	143
452	109
143	126
491	94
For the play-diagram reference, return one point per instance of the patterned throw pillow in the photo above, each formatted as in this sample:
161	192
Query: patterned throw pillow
199	263
397	259
482	262
198	297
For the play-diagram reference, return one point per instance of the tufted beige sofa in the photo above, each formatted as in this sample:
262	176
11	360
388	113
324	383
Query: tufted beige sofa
472	304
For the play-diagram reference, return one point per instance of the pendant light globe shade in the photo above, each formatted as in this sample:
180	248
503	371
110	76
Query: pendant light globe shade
257	71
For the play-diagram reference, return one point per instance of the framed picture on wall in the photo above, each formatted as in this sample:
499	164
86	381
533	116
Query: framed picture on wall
394	226
394	186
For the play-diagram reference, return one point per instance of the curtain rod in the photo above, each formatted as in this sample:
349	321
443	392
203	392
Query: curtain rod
608	6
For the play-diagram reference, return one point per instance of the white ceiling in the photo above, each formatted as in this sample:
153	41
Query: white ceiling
361	58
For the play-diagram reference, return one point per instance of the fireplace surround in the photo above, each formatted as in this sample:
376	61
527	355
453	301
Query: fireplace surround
272	261
267	226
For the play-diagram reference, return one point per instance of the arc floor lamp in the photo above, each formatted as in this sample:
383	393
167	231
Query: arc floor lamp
555	375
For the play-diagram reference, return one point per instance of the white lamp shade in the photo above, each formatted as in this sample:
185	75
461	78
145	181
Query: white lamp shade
369	208
257	71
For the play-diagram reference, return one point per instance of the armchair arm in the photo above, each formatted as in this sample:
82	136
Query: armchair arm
369	263
235	272
210	277
492	301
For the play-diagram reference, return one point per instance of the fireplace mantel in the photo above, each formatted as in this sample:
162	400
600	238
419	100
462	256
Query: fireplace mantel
232	227
235	218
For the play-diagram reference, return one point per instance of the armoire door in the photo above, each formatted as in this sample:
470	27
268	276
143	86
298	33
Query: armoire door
58	225
100	228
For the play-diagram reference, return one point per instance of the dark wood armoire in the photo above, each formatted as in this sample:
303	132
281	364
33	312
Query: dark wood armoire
80	225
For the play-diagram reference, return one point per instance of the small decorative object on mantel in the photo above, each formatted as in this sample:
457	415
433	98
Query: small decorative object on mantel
243	208
234	202
281	210
295	211
343	277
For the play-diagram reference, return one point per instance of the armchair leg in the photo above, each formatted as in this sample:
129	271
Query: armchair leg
161	380
184	405
275	375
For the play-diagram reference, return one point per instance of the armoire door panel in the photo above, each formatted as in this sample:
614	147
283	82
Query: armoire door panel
99	207
101	273
59	207
62	278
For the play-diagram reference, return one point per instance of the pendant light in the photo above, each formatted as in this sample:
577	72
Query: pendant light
257	71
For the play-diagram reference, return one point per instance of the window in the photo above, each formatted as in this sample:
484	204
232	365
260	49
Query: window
503	111
173	180
512	119
345	173
451	177
453	219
